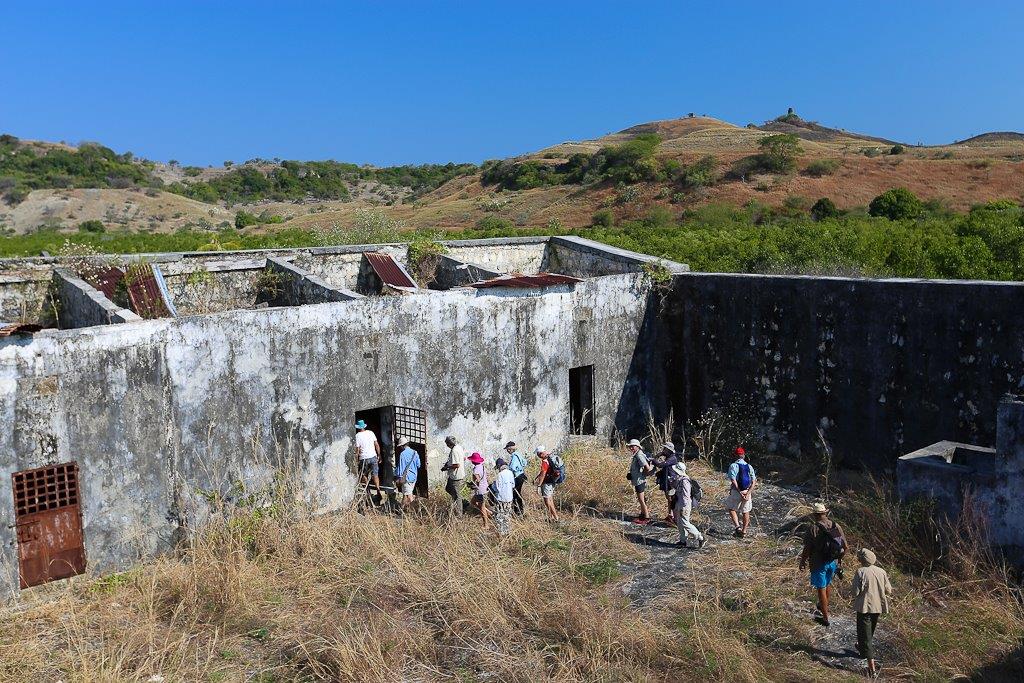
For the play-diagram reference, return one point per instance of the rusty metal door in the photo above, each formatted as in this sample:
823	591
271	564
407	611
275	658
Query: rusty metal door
412	424
48	519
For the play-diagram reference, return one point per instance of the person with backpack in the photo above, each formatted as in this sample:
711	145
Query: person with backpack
406	472
824	547
517	464
480	488
742	480
663	464
455	467
552	474
871	589
639	467
687	494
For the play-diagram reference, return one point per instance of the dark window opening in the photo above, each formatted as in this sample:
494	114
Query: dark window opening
581	400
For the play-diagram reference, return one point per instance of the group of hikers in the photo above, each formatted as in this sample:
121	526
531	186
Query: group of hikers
497	501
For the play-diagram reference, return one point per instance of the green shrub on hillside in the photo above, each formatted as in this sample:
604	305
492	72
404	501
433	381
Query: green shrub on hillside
896	204
824	208
244	219
701	173
92	226
603	219
897	149
822	167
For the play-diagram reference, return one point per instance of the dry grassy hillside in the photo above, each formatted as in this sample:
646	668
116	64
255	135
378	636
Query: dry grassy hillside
979	169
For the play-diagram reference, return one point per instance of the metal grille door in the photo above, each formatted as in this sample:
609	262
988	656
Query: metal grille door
48	518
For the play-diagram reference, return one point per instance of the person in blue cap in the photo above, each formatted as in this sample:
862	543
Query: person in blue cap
368	450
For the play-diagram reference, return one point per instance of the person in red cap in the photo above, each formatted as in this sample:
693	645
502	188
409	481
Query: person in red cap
742	480
479	500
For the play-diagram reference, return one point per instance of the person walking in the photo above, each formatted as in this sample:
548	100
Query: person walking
504	495
479	500
871	589
639	467
663	464
545	481
368	450
407	471
824	547
742	480
517	464
455	467
683	486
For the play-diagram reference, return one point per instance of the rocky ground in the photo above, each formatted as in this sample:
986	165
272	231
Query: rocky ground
776	517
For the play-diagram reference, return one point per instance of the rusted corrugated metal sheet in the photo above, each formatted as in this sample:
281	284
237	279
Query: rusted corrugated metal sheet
388	270
527	281
144	293
8	329
107	281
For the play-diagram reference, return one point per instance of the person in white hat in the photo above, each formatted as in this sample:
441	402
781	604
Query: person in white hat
639	467
663	476
684	505
824	547
406	472
546	480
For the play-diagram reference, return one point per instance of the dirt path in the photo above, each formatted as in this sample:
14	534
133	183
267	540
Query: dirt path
777	513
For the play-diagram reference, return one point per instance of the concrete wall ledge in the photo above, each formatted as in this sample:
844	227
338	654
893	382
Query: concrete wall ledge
616	254
302	287
82	305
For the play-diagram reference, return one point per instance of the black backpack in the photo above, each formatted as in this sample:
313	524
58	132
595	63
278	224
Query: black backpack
833	545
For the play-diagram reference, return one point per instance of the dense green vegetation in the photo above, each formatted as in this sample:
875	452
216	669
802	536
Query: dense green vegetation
23	169
986	243
292	180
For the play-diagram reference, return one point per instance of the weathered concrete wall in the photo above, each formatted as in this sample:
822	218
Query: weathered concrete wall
159	411
452	272
1005	512
580	257
80	304
882	366
516	255
213	291
298	286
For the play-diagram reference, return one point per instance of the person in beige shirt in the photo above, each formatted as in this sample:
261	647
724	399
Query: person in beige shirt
871	589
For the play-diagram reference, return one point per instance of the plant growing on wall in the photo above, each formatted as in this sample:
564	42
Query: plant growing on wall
424	257
268	284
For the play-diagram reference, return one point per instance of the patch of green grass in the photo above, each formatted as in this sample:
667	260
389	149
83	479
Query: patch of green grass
600	572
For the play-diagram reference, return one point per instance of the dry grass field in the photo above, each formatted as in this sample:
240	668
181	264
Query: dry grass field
272	593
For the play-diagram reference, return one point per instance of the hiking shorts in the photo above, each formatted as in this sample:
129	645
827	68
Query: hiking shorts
369	466
822	576
407	487
547	490
641	487
735	502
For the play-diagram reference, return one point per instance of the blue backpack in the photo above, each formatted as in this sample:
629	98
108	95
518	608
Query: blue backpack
743	480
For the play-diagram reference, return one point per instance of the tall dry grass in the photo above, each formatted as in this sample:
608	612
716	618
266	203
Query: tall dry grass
277	594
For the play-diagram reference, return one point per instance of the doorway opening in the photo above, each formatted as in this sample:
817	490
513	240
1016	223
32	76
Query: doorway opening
389	424
581	400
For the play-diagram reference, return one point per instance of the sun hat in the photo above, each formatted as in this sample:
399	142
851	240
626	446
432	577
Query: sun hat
476	458
510	444
452	439
634	442
540	449
669	446
740	451
402	441
819	508
866	557
500	462
360	425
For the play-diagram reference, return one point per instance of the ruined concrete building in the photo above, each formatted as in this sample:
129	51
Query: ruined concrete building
132	393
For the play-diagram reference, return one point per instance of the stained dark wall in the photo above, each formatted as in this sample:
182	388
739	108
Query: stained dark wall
883	366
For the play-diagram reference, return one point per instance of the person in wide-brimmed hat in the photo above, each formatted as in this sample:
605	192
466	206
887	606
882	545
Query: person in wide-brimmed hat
504	493
479	500
871	590
517	465
368	450
824	547
639	467
664	463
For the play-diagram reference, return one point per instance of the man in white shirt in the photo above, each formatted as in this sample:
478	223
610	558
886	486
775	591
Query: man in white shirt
639	467
455	466
368	449
505	486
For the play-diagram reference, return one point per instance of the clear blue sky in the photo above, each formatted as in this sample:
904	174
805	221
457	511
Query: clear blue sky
413	82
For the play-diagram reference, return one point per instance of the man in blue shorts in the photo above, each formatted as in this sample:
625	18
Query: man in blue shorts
824	547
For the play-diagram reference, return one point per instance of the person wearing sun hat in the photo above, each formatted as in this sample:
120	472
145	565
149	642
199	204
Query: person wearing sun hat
368	450
639	467
871	589
824	547
504	493
517	464
479	500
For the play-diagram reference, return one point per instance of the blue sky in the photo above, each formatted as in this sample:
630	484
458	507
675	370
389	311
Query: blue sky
414	82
